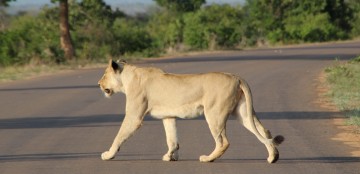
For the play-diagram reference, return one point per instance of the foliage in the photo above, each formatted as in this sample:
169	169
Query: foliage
5	2
181	5
300	21
305	27
214	26
166	30
130	38
89	21
266	18
99	32
167	25
355	21
29	38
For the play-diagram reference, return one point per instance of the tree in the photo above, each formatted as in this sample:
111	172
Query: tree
266	17
212	27
298	21
5	3
181	5
340	14
92	21
355	22
168	25
303	19
65	37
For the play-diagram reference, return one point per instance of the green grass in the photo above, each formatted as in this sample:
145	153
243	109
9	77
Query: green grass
21	72
344	82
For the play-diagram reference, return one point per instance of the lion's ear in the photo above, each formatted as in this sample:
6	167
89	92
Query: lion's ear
115	66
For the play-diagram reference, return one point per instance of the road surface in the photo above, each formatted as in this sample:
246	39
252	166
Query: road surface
62	123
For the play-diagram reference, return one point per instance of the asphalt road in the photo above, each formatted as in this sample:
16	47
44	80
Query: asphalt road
61	123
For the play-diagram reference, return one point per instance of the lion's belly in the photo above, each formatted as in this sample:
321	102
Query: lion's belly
184	111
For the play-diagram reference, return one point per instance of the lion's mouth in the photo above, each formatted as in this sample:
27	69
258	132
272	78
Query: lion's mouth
108	91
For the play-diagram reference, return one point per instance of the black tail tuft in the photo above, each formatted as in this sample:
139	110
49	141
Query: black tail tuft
278	139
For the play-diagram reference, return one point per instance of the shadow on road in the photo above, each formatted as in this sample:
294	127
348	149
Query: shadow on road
109	120
96	156
47	156
50	88
61	121
298	115
238	57
302	160
322	160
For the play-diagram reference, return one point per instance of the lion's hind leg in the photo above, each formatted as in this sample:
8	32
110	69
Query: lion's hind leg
217	125
243	118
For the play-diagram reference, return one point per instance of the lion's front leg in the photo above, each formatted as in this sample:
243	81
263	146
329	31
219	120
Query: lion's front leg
128	127
171	139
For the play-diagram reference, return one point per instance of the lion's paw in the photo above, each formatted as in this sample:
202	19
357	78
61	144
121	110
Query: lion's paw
170	157
107	156
273	158
205	158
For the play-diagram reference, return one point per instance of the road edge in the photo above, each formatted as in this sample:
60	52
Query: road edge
347	134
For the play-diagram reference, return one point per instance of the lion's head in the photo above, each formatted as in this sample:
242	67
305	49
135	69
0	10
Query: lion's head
110	82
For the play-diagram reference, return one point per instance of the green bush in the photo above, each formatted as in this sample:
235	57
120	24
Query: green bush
310	28
8	41
98	32
355	18
28	39
215	26
301	21
130	37
166	30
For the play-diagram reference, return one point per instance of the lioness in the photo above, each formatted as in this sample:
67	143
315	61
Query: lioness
167	96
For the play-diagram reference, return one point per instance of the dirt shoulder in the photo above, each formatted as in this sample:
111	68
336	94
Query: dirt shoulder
348	134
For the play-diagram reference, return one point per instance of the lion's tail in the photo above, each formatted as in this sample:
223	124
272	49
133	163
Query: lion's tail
250	111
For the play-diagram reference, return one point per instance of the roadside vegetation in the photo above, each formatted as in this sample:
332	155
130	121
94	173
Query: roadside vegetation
344	82
14	73
99	32
92	32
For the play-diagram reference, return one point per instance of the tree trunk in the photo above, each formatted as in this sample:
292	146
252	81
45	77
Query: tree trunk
65	38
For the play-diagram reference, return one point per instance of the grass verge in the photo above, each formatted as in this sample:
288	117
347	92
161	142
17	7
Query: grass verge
12	73
344	83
